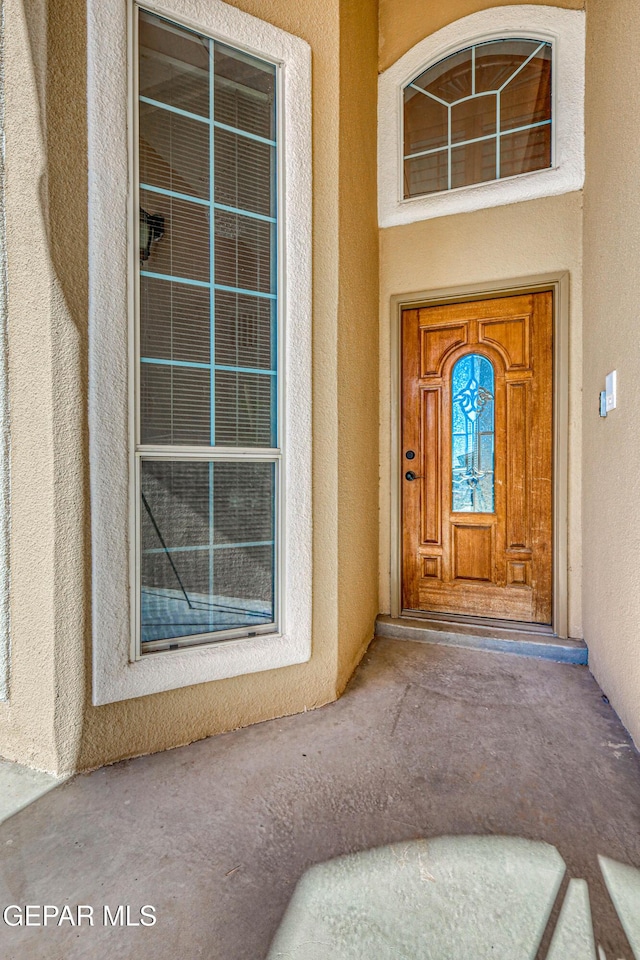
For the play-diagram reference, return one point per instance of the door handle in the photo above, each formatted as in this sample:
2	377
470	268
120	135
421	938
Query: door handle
410	475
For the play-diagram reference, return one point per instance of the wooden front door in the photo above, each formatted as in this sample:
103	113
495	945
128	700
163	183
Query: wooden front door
476	464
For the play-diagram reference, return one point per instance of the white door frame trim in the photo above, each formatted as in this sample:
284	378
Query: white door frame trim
558	284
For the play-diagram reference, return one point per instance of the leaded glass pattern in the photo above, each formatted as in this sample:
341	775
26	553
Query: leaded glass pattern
473	435
481	114
207	340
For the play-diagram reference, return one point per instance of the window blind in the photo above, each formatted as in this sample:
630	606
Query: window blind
207	339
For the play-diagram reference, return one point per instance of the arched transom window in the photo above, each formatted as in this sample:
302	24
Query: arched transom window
481	114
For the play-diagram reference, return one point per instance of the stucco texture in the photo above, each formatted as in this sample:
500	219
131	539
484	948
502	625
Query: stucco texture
403	23
5	643
28	718
500	244
611	530
49	722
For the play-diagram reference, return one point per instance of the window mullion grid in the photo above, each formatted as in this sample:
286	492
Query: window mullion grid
499	132
449	147
212	302
135	426
161	105
522	66
498	135
216	123
473	71
212	454
462	143
277	358
274	307
222	454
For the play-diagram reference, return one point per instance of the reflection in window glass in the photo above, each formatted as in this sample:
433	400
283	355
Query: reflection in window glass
207	377
481	114
473	435
207	547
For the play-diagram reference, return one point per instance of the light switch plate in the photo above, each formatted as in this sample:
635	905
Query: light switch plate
610	389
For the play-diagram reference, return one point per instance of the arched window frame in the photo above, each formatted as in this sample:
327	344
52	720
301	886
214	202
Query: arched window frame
565	31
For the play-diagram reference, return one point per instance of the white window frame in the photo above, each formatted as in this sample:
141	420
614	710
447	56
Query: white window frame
565	31
180	452
118	671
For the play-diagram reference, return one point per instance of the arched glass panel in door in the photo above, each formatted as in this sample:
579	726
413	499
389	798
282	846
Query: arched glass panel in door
473	434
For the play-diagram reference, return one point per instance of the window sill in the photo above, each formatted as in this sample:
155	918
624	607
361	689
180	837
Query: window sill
479	196
179	668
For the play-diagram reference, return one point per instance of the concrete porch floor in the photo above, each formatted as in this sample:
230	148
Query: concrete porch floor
427	741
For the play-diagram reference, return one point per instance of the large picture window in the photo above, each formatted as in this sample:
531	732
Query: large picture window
199	345
207	442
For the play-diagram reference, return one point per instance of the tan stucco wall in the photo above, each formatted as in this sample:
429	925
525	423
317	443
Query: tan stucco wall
499	244
357	369
49	721
611	296
28	719
403	23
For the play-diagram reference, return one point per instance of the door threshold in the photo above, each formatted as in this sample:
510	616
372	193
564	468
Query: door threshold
465	620
503	639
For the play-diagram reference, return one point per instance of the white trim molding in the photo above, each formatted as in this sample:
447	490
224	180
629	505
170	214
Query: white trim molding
116	675
565	30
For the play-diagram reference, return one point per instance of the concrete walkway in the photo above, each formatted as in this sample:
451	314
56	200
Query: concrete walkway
427	741
20	786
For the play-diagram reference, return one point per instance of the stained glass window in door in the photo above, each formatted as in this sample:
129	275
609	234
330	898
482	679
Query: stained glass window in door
473	434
